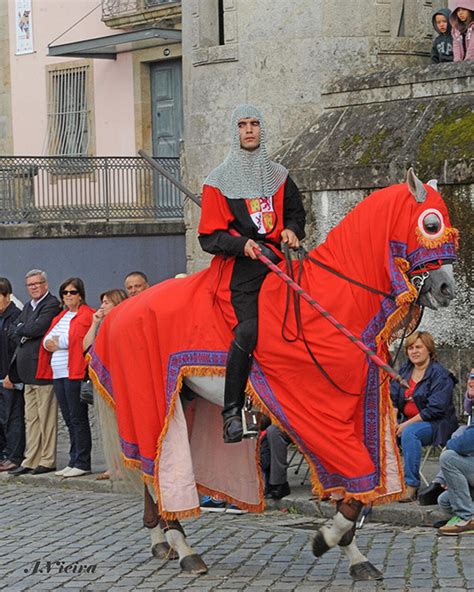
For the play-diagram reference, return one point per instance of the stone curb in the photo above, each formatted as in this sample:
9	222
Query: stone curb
397	514
298	502
50	481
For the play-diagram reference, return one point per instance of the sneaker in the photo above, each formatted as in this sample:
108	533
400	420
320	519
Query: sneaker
455	527
212	504
233	509
62	471
74	472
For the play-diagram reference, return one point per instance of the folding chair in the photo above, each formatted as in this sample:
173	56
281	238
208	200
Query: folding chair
298	463
429	450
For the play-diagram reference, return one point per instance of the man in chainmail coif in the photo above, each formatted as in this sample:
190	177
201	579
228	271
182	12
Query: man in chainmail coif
248	202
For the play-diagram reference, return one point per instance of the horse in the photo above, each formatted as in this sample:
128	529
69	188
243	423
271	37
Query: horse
158	364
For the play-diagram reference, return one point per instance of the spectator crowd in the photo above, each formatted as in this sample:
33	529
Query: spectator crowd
43	367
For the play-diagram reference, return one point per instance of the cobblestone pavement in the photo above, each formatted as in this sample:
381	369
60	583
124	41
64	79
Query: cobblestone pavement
103	534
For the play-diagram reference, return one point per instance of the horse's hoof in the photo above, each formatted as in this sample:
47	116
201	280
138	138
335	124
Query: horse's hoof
319	544
361	572
193	564
163	551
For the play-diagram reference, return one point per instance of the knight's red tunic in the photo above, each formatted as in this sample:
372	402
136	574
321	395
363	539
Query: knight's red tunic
227	224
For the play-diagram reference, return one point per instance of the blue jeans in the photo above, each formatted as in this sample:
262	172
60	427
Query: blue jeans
76	417
440	477
414	437
458	472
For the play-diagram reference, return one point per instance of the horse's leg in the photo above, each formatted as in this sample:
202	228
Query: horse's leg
151	519
328	537
189	561
168	539
361	569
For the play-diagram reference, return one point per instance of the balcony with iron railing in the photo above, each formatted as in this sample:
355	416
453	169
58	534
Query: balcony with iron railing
59	189
117	13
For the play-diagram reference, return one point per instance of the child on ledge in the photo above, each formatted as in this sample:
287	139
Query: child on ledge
442	50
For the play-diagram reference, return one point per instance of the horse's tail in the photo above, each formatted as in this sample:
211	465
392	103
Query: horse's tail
125	479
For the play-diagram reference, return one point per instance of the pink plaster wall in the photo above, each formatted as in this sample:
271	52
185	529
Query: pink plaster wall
113	82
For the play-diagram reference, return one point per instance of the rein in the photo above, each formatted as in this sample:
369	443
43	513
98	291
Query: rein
302	254
345	277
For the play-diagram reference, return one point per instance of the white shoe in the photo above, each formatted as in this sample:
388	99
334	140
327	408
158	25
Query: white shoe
62	471
74	472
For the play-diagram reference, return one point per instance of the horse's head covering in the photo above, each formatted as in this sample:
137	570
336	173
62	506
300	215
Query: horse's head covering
247	174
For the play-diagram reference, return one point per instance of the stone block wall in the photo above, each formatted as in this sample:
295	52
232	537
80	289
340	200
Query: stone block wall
374	128
280	55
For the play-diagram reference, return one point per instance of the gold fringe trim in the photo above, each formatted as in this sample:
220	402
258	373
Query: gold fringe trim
385	404
449	234
100	388
411	293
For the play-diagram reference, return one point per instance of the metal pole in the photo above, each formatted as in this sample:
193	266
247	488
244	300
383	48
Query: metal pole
192	196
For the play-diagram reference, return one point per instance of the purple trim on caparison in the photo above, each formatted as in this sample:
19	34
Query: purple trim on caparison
132	452
101	371
423	255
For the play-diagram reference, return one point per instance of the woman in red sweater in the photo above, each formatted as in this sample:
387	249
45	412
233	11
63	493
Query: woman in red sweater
61	358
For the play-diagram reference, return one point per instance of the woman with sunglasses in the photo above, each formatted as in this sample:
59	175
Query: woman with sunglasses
61	358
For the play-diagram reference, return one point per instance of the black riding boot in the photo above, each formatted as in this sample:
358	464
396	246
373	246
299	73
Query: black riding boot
238	367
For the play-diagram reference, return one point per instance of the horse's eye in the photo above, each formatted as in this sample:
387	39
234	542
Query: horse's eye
431	223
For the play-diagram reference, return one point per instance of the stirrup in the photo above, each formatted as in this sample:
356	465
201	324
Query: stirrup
249	422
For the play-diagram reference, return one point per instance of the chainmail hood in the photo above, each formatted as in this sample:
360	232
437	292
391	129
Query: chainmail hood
247	174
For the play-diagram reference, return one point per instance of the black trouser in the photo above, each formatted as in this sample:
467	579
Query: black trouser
12	420
247	278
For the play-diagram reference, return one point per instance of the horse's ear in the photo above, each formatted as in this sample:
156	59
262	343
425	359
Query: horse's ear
415	186
433	183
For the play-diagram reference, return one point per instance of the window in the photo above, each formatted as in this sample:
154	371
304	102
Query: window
69	117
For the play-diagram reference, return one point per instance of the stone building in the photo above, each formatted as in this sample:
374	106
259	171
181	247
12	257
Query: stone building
83	88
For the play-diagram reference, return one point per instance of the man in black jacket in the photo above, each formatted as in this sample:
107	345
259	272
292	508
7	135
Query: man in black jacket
41	408
12	405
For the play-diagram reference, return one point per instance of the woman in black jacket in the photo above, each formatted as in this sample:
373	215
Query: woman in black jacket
12	404
426	407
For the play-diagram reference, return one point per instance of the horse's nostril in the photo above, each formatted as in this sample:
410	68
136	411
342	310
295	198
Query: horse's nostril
446	290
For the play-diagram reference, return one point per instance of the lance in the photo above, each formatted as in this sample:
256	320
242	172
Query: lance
355	340
286	278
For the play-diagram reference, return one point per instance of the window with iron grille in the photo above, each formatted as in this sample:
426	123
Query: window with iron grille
69	110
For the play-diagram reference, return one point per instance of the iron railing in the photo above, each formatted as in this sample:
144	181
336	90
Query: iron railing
51	188
112	8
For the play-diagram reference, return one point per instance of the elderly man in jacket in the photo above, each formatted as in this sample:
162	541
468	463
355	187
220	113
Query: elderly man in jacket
41	408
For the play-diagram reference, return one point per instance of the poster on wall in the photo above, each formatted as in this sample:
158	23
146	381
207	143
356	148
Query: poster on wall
24	29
